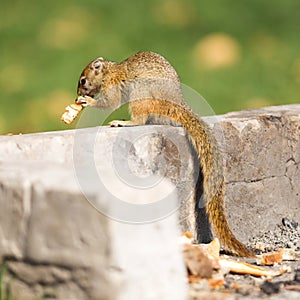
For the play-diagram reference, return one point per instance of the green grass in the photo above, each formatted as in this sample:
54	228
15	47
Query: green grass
5	288
44	45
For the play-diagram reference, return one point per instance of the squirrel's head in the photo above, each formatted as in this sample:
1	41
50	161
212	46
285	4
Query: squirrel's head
91	78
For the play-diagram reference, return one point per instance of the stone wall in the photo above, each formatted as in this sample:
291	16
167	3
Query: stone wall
63	195
262	151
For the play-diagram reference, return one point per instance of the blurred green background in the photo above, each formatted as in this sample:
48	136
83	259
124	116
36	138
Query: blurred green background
237	54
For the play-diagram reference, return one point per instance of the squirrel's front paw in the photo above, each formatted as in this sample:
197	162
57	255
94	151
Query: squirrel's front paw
86	101
120	123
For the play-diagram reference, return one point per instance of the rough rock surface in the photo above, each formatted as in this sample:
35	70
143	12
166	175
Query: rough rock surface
262	152
57	245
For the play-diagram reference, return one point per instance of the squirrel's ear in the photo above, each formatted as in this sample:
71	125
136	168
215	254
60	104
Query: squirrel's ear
97	63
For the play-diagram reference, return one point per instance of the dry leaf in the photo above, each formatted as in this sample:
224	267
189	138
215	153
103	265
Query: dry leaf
188	235
197	263
212	249
245	268
216	283
186	238
269	259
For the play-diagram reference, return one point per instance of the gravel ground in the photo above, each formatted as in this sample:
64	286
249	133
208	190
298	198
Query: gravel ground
286	287
285	235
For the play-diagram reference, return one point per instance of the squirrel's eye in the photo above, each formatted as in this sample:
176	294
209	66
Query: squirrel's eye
83	81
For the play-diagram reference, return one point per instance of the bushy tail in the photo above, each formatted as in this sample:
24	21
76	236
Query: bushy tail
210	161
217	216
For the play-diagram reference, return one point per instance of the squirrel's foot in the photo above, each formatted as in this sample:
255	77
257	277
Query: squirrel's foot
120	123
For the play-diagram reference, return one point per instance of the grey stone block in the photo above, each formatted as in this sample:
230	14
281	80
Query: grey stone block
70	250
14	213
64	227
62	233
147	258
261	150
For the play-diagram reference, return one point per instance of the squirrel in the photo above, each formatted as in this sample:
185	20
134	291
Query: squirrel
151	86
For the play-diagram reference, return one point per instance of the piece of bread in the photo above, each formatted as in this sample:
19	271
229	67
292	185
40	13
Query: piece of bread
71	112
